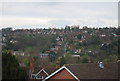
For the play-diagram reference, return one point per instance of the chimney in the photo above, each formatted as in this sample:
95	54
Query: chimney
57	65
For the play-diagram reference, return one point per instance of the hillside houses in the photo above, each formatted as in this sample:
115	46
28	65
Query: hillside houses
75	45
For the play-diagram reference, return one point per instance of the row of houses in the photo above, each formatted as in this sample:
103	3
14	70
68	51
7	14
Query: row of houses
82	72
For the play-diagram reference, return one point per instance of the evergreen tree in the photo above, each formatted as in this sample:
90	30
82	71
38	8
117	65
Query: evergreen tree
11	68
52	56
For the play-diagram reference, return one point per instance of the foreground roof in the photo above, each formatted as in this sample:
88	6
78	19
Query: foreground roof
93	71
57	72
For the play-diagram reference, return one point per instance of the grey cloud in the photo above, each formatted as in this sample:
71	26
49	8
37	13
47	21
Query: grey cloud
60	23
64	12
53	9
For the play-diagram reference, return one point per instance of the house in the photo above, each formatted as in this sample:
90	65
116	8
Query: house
75	55
20	53
87	72
42	74
62	74
44	55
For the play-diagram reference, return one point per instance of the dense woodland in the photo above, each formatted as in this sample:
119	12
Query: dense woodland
56	47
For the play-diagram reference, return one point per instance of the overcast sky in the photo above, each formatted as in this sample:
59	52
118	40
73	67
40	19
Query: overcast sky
59	14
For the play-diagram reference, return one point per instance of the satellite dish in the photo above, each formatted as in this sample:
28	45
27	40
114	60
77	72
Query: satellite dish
101	65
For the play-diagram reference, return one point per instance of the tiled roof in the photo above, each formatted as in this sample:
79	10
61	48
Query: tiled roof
93	71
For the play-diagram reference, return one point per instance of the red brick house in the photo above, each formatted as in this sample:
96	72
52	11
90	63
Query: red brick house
87	72
62	74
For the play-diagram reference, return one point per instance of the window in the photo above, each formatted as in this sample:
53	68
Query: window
40	77
33	76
